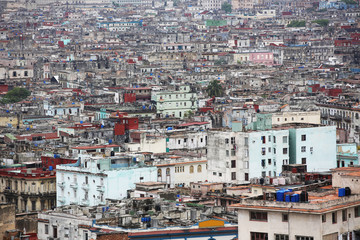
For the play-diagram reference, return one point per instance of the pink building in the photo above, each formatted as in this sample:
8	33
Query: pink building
266	58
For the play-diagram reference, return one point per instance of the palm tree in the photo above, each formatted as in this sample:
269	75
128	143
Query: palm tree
214	89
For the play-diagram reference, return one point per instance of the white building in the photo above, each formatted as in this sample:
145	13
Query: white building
210	4
235	157
90	181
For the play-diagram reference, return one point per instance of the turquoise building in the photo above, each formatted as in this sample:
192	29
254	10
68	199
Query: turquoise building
313	146
346	155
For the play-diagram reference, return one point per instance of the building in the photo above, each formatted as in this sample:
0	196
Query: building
281	118
346	155
235	157
7	218
29	189
176	103
92	180
210	4
313	146
322	211
182	173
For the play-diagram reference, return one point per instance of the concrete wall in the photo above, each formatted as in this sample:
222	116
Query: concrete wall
319	148
296	117
7	218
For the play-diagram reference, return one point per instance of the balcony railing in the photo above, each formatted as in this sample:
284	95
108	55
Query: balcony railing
100	188
85	186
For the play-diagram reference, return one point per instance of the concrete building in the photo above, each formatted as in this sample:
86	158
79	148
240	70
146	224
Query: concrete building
210	4
235	157
7	218
346	155
182	173
281	118
28	189
91	181
313	146
176	103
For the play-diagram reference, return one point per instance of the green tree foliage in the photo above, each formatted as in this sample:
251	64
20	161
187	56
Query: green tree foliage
297	23
350	2
322	22
226	7
214	89
16	95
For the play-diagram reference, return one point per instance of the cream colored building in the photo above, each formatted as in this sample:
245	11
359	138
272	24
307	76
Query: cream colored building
182	172
28	190
281	118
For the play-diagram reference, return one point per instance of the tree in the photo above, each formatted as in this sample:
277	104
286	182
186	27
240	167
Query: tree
297	24
322	22
214	89
226	7
15	95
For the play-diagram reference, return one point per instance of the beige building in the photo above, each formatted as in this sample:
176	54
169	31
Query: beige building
347	177
28	190
281	118
10	120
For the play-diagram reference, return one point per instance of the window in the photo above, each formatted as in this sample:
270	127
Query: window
259	236
274	150
185	140
357	211
233	163
214	173
269	138
258	216
304	238
33	205
159	173
168	172
220	174
66	232
246	177
26	73
199	168
269	149
285	217
323	218
334	217
263	162
263	139
269	161
227	153
226	141
303	137
86	180
303	149
281	237
233	176
46	229
284	139
86	235
191	169
246	141
263	151
274	139
285	150
232	140
344	215
233	152
303	160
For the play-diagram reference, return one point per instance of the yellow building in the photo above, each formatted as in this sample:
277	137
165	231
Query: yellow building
10	120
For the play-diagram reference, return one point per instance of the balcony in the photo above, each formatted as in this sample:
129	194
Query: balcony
85	186
336	117
74	185
61	184
347	119
100	188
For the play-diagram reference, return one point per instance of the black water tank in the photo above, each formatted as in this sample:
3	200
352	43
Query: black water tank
112	153
347	191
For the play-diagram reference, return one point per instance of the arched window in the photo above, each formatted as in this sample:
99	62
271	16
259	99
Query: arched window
191	169
159	173
168	172
199	168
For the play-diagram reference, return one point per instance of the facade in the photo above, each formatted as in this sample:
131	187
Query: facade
28	189
91	181
210	4
235	157
313	146
7	218
346	155
334	219
182	174
176	103
119	26
281	118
